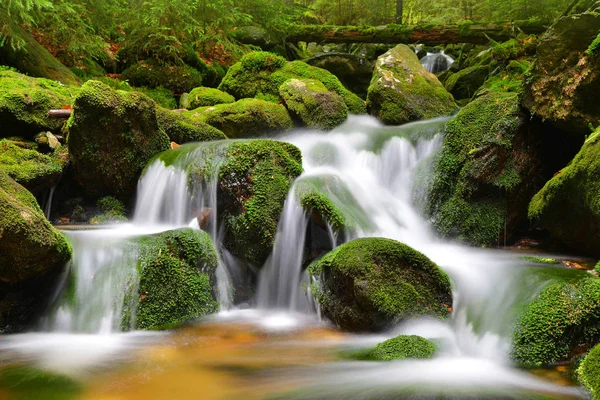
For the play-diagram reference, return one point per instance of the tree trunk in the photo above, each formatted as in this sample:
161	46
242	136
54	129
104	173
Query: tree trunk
399	12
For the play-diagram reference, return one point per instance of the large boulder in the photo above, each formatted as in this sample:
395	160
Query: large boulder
589	372
245	118
204	96
177	279
569	204
402	90
260	74
25	101
112	136
465	82
181	128
563	84
154	74
353	71
562	319
313	104
489	167
371	284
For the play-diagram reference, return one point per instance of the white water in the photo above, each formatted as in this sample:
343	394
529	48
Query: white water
436	62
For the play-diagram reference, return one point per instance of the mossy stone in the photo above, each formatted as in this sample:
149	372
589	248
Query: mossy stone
30	246
153	74
370	284
182	128
465	83
313	104
112	136
177	278
403	347
589	372
204	96
402	90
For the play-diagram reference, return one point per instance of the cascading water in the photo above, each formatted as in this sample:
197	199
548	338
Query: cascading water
436	62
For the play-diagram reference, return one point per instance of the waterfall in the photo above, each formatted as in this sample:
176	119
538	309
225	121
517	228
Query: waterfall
436	62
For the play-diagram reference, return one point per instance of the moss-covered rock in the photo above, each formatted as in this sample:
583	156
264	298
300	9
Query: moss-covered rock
34	170
465	83
153	74
182	128
402	90
29	245
563	317
25	101
317	107
353	71
488	169
111	211
177	278
402	347
370	284
254	177
260	74
563	83
112	136
203	97
589	372
576	189
20	382
245	118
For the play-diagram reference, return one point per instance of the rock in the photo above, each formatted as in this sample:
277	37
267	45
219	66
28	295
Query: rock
353	71
589	372
403	347
489	167
254	35
402	90
203	96
184	101
371	284
563	84
152	74
563	317
465	83
182	128
112	136
111	211
260	74
245	118
30	246
25	101
576	189
36	171
177	278
310	101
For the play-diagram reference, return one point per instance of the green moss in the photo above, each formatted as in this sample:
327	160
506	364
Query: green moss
152	74
402	347
402	91
30	245
371	283
245	118
508	80
574	188
23	383
316	107
540	260
594	48
465	83
203	96
25	101
183	129
177	278
563	317
261	74
589	372
112	210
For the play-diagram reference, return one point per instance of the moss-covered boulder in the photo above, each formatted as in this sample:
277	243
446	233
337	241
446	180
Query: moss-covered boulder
370	284
30	168
177	278
403	347
353	71
112	136
29	245
254	177
402	90
488	169
260	74
563	318
204	96
153	74
569	204
111	210
181	128
589	372
245	118
563	83
313	104
25	101
465	82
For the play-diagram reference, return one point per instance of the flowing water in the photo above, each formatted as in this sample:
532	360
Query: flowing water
280	349
436	62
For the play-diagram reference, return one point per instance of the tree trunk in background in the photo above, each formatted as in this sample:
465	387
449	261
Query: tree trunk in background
399	12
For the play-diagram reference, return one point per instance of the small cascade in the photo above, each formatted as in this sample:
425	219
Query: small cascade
436	62
48	205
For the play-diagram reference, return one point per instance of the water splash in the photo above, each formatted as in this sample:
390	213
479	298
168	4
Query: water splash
436	62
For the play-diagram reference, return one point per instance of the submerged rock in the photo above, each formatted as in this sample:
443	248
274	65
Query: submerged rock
260	74
402	90
310	101
245	118
112	136
569	204
182	128
203	97
589	372
370	284
563	83
177	279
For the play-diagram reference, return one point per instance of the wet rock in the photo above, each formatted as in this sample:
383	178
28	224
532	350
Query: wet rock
203	97
353	71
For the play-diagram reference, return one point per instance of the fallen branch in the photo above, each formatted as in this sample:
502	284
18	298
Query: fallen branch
59	113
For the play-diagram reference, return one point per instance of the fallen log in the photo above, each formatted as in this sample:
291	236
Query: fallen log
59	113
476	33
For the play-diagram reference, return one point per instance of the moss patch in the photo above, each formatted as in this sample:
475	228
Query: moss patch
182	128
23	383
589	372
465	83
152	74
112	210
203	97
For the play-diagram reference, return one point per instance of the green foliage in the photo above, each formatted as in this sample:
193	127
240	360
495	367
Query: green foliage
540	260
23	383
589	372
594	48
